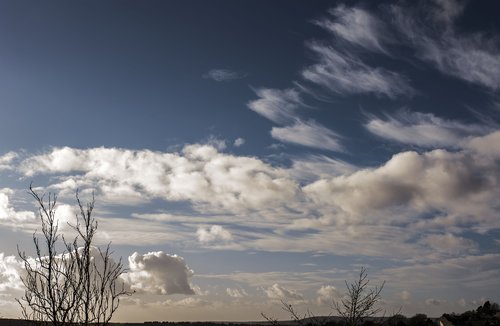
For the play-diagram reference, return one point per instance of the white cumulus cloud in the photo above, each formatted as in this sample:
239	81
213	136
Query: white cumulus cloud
236	293
8	213
278	292
10	271
326	294
158	273
200	174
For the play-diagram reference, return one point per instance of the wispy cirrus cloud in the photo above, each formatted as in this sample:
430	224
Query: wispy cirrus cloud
424	129
279	106
474	58
345	73
224	75
313	167
310	134
356	26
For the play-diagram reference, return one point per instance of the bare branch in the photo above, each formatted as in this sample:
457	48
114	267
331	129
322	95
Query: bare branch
80	284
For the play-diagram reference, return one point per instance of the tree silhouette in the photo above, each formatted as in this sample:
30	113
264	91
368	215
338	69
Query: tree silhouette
360	301
78	284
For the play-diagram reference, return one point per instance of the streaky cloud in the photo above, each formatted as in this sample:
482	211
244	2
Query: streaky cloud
424	129
474	58
356	26
310	134
346	74
279	106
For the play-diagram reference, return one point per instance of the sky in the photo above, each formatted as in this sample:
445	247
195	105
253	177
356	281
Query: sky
248	152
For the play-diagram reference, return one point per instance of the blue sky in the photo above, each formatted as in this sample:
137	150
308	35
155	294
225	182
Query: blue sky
248	152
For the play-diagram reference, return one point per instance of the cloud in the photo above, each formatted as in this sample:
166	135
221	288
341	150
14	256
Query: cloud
186	302
158	273
277	292
8	214
450	244
345	74
279	106
215	233
326	295
6	160
200	174
313	167
346	210
474	58
424	129
236	293
238	142
486	146
448	10
405	295
222	75
356	26
10	270
462	274
309	134
434	302
437	180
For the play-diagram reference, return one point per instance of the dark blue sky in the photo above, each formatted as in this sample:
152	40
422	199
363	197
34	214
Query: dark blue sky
129	74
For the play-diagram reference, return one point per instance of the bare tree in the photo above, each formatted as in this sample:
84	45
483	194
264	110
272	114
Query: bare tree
305	319
78	285
360	301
